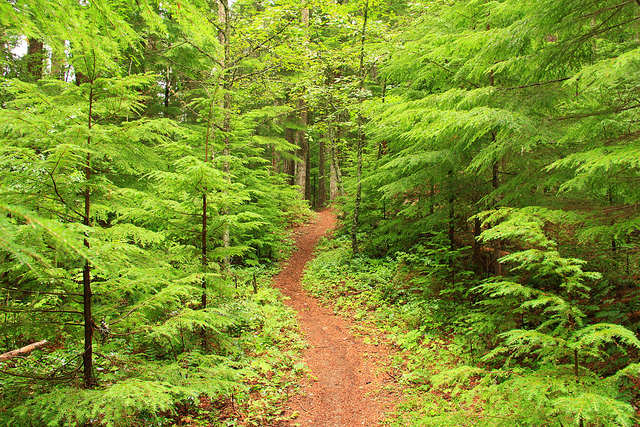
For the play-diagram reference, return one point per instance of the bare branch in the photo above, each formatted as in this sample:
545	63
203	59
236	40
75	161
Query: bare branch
40	311
22	351
64	202
534	84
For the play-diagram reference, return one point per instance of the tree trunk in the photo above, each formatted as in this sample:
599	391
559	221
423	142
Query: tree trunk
335	166
276	155
224	37
322	190
203	234
497	246
333	178
58	67
289	165
301	141
226	168
87	356
167	94
452	222
477	253
360	148
6	55
614	243
302	152
35	58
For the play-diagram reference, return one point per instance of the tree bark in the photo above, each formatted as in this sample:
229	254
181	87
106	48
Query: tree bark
322	189
87	356
224	37
289	165
58	69
23	351
276	159
302	152
497	245
5	53
477	254
335	165
204	234
356	209
302	165
35	58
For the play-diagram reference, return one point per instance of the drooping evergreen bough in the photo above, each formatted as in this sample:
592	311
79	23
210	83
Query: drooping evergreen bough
107	249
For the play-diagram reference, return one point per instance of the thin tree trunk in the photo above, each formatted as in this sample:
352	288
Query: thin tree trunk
333	180
226	168
167	94
5	53
614	243
452	222
302	165
497	246
495	180
322	190
338	173
203	235
477	254
302	152
358	201
58	68
432	198
224	37
276	159
289	164
87	356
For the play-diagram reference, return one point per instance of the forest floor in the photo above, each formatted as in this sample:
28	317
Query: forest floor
349	384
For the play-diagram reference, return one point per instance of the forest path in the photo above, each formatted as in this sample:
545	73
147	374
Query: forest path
346	389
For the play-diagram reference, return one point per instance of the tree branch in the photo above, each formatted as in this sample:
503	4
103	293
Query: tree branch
597	113
64	202
62	294
23	350
260	45
534	84
40	311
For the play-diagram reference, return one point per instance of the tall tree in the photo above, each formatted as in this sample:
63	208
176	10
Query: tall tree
360	140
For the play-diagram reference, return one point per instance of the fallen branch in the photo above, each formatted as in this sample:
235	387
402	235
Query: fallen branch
23	351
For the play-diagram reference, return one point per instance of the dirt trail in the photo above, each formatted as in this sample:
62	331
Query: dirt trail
348	390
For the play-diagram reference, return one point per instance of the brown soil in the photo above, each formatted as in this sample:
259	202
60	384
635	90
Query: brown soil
347	384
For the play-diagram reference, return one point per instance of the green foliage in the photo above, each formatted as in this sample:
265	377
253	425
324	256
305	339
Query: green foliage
141	145
102	185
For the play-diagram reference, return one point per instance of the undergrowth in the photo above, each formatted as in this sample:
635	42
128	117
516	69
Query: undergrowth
485	353
162	376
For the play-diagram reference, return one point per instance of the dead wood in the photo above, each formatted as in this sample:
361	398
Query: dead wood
23	351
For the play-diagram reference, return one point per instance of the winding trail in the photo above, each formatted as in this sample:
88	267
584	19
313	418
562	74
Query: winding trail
347	376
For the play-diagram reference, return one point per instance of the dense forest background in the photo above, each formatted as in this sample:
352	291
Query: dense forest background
154	155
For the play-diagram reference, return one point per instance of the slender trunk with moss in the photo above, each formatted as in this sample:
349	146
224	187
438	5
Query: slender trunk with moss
337	173
302	152
301	140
